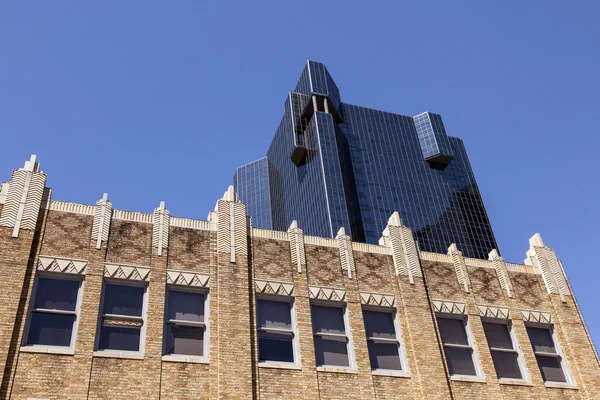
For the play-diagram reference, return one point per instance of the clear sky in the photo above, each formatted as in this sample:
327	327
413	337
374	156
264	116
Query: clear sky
161	100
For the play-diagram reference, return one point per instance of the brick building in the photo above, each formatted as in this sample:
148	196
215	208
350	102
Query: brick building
100	303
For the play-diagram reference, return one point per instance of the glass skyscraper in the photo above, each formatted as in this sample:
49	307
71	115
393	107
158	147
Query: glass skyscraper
333	165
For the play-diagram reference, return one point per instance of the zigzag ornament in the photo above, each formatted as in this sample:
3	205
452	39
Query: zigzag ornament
63	265
280	288
325	293
184	278
129	272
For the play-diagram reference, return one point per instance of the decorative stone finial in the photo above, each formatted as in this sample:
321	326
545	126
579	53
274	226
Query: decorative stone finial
544	261
404	249
160	228
102	220
346	253
501	271
460	267
296	238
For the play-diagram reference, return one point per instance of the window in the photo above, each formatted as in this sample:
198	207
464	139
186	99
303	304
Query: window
382	340
330	335
53	317
458	346
275	331
507	360
547	353
185	328
122	317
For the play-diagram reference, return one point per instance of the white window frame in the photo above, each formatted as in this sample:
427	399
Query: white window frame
559	354
206	325
294	331
32	309
143	318
398	340
348	336
471	346
516	348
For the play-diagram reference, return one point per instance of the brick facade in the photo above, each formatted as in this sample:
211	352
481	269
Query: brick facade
235	257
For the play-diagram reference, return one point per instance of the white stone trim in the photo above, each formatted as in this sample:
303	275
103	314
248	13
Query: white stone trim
102	218
63	265
132	216
404	249
476	262
494	311
129	272
445	258
191	223
449	307
375	299
501	271
326	293
544	261
371	248
346	254
160	228
187	278
460	267
72	208
270	287
319	241
297	251
269	234
542	317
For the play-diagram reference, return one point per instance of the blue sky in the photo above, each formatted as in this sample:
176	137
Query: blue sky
153	101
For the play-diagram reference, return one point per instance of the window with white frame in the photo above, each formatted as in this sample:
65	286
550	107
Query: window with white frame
458	346
332	344
548	353
383	341
54	311
122	316
185	323
504	350
275	324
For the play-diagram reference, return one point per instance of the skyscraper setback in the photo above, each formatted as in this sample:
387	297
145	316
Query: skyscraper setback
332	165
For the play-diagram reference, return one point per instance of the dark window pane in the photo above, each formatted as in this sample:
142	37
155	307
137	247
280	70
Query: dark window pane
50	329
187	340
452	331
497	335
327	319
273	314
123	299
379	324
507	365
56	294
460	361
541	339
384	356
185	306
331	351
275	347
551	369
114	337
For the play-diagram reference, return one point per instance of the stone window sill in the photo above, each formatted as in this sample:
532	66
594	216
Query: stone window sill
475	379
340	370
279	365
560	385
516	382
389	372
65	351
118	354
185	359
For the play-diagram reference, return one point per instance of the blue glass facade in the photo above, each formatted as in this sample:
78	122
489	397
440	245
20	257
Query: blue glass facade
333	165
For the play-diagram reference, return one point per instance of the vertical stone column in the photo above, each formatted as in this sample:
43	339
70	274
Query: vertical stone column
19	231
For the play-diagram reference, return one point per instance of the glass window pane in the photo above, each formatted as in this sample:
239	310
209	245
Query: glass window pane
56	294
497	335
50	329
541	339
327	319
187	340
384	356
379	324
331	352
507	365
551	369
185	306
273	314
275	347
460	361
453	331
123	299
119	337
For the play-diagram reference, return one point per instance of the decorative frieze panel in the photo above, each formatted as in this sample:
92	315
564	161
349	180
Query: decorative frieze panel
545	262
160	229
460	267
536	316
102	219
449	307
131	272
374	299
269	287
501	271
296	238
404	250
184	278
346	253
325	293
64	265
493	312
